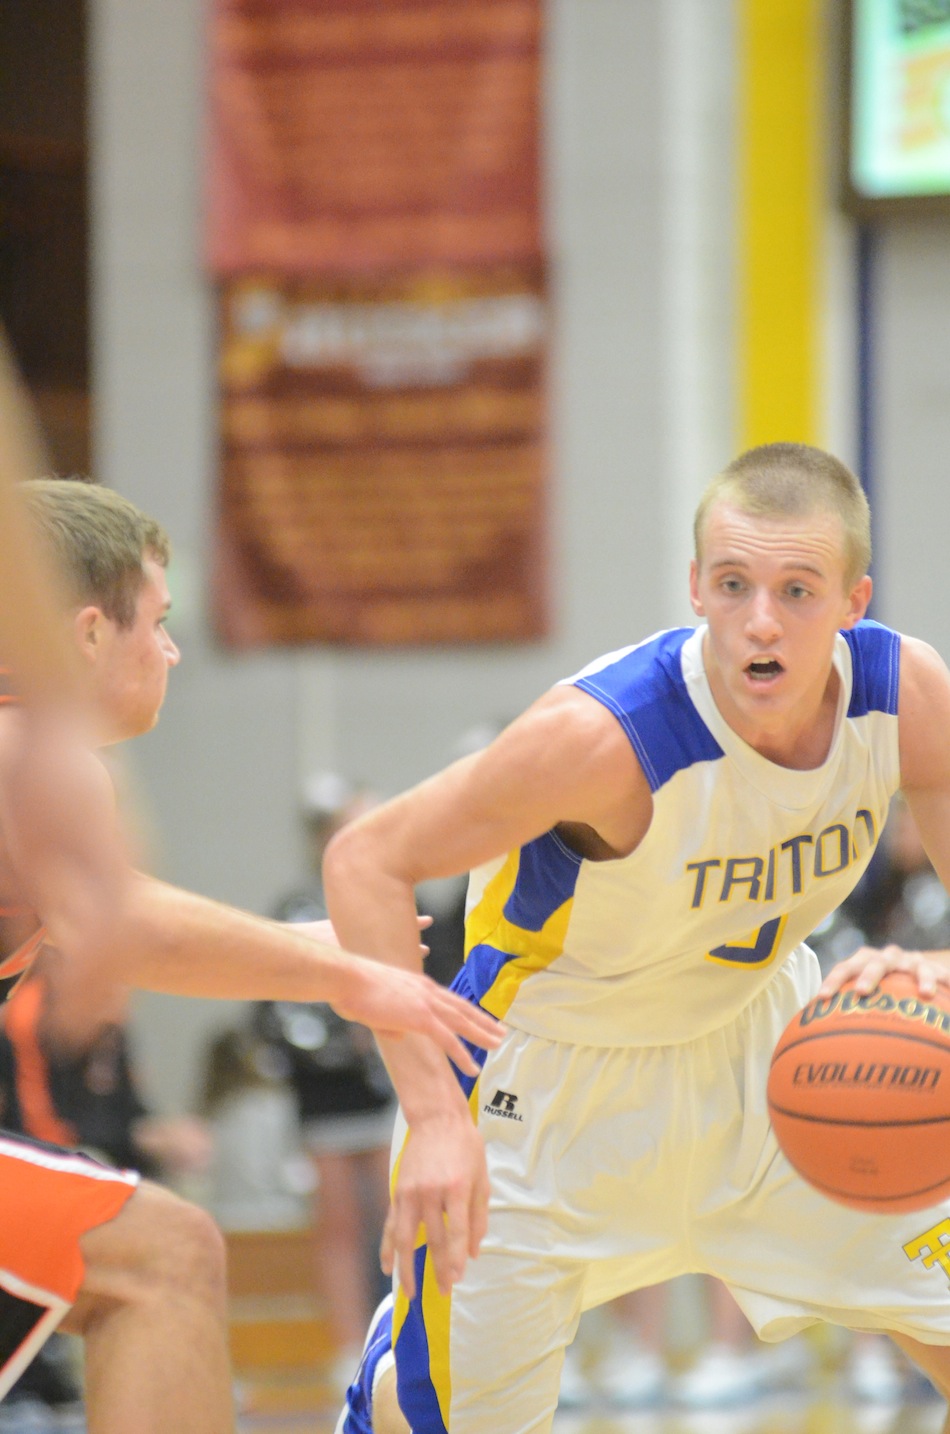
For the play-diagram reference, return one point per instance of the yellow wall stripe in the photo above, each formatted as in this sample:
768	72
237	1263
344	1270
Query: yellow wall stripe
780	220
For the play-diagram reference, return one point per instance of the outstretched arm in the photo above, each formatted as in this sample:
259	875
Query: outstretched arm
184	944
142	932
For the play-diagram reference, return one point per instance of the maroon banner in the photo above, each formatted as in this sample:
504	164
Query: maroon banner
374	224
383	461
353	136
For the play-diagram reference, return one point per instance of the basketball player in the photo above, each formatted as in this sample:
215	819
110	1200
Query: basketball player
651	842
133	1269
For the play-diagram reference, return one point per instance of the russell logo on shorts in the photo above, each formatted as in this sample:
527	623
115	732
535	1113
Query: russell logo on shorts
503	1104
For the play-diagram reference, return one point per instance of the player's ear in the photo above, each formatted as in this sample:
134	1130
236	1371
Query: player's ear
88	632
695	599
858	601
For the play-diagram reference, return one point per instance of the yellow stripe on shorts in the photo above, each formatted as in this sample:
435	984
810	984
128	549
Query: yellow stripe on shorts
437	1317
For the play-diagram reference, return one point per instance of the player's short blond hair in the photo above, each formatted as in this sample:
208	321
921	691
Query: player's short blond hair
97	542
790	480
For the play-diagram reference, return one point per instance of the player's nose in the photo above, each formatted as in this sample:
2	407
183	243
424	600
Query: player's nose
172	653
763	621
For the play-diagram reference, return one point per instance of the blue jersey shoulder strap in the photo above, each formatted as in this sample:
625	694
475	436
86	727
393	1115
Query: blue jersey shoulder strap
645	690
875	658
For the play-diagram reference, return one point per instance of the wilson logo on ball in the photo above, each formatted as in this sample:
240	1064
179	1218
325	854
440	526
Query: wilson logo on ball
846	1002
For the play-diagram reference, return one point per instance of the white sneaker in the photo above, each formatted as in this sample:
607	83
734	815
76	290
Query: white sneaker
343	1368
577	1392
630	1377
872	1373
371	1363
721	1377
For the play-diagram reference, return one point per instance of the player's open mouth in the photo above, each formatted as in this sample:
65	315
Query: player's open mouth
764	670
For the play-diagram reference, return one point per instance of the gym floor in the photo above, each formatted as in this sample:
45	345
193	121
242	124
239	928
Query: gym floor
290	1409
296	1403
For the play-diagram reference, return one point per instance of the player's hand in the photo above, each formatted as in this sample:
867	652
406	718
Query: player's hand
441	1196
392	1001
869	964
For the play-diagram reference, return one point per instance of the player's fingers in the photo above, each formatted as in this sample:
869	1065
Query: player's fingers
455	1050
424	922
437	1242
404	1226
458	1217
447	1237
927	977
447	1021
838	975
870	975
926	981
387	1248
867	964
471	1021
443	1037
478	1214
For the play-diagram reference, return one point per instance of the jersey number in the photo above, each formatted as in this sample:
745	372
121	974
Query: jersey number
757	950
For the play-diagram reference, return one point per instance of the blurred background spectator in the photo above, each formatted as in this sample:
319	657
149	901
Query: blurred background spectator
260	1177
345	1103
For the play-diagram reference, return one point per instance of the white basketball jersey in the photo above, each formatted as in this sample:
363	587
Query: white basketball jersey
741	861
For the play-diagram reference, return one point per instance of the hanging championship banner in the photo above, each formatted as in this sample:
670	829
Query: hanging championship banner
374	223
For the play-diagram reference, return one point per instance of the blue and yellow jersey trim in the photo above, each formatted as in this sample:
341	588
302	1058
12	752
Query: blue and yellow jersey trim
519	925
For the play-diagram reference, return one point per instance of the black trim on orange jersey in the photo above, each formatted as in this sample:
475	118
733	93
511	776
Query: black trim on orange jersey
37	1108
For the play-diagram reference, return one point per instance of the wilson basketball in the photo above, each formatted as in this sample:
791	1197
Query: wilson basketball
859	1095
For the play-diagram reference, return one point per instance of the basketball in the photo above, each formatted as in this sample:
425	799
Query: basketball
859	1095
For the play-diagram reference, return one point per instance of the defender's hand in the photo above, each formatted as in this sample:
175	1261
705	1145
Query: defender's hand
392	1001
